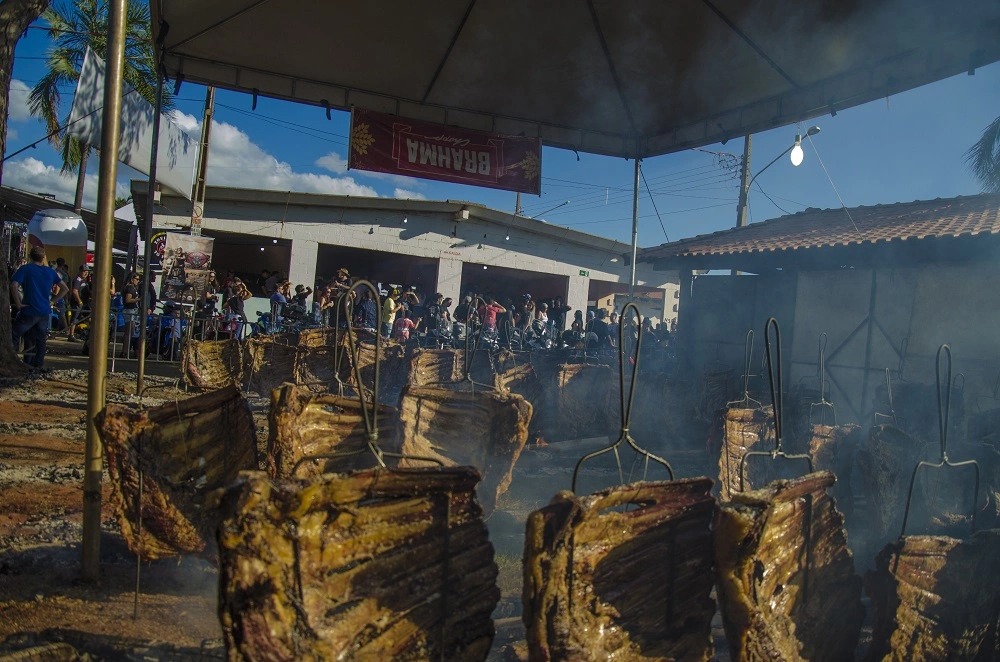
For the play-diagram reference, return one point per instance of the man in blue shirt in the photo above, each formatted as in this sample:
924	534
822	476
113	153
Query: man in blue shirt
34	308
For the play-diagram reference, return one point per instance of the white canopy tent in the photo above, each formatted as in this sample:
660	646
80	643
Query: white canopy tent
636	78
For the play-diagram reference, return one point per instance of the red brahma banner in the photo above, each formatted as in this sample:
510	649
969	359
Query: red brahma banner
400	146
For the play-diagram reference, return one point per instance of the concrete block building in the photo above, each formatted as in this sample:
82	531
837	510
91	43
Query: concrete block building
451	247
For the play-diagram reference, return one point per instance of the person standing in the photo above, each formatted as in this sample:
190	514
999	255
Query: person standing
76	302
63	272
488	314
389	309
130	311
34	308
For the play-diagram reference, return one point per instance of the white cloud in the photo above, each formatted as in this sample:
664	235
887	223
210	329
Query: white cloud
403	194
187	123
31	175
18	102
235	160
334	162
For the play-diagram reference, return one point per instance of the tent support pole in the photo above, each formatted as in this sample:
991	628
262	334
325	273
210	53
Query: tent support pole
635	229
147	252
103	241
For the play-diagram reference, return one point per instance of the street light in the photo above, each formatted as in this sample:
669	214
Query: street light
796	155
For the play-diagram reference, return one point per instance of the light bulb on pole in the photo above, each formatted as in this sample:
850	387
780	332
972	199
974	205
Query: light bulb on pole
797	154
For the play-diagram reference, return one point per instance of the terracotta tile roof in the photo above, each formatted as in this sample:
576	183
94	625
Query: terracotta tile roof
819	228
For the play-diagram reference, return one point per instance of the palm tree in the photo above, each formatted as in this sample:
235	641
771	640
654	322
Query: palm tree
74	28
15	16
984	158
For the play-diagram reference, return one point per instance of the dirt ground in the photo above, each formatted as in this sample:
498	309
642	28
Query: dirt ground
174	617
42	598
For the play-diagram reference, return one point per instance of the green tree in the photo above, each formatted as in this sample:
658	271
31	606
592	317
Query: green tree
984	158
74	28
15	17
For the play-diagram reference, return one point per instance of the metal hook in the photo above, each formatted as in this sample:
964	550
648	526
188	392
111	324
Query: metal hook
370	419
888	391
626	404
821	375
944	412
745	401
470	356
777	402
338	353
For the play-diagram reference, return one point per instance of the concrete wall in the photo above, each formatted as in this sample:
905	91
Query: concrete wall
892	318
724	308
426	234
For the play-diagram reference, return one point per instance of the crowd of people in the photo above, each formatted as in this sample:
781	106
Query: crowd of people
44	296
523	322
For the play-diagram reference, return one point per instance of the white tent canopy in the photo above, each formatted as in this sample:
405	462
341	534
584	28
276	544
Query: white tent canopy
635	78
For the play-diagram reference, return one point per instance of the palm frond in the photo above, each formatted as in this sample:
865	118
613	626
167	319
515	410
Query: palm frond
75	27
983	158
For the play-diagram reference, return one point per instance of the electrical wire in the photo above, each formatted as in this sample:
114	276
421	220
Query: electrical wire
629	218
830	179
764	193
653	200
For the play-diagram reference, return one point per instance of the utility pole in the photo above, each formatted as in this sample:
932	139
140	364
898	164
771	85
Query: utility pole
198	194
635	228
741	208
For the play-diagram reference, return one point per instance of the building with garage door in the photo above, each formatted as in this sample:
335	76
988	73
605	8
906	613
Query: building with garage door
448	246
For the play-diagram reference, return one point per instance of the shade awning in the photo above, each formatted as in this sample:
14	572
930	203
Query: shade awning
637	78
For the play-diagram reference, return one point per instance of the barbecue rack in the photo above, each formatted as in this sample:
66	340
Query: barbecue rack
892	410
777	404
823	405
944	411
626	406
472	348
369	411
746	402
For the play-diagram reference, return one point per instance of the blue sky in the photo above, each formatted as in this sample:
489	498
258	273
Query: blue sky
908	147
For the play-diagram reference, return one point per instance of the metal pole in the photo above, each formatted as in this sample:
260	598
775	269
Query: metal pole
104	239
147	253
198	198
635	229
741	208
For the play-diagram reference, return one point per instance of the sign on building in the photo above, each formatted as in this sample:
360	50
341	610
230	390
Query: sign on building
400	146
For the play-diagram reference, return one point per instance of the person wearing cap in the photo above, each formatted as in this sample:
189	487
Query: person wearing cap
342	282
302	294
